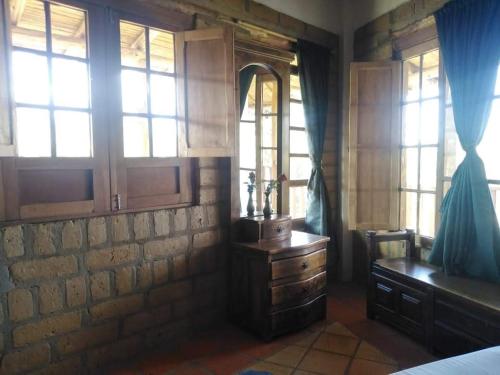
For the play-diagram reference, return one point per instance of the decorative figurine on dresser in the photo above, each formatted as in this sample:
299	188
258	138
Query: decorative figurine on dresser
278	276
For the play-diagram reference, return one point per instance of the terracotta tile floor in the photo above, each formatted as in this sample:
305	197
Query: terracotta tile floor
346	343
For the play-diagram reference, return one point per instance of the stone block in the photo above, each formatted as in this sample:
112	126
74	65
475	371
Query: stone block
162	223
124	280
76	291
20	302
13	241
142	226
117	307
72	236
180	266
180	220
97	231
198	220
144	276
170	292
140	322
46	328
120	228
87	338
112	257
47	268
206	239
159	249
20	361
50	297
100	286
160	271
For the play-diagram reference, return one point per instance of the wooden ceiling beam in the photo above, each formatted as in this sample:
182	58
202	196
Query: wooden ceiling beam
18	11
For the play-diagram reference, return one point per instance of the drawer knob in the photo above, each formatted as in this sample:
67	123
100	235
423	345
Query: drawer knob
279	229
305	265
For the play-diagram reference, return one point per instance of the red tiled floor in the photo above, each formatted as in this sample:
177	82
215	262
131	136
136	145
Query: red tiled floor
228	349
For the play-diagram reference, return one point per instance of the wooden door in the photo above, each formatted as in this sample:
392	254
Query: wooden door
374	138
205	91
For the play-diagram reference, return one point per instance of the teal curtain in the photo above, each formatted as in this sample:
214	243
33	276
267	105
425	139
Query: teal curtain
246	76
314	63
468	239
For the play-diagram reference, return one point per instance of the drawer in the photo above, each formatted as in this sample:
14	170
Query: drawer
449	342
470	322
276	230
299	290
297	265
298	317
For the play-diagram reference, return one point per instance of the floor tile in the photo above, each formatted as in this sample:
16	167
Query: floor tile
338	329
364	367
290	356
367	351
324	362
308	340
273	368
336	344
189	369
302	372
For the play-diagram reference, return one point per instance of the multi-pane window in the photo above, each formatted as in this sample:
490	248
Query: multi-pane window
259	138
420	140
430	148
50	66
300	165
488	149
148	91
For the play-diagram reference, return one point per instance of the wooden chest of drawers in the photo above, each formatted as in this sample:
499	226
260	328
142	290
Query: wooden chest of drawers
278	286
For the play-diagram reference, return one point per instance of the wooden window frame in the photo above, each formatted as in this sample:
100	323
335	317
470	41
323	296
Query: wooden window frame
431	43
103	96
121	164
419	51
299	221
97	164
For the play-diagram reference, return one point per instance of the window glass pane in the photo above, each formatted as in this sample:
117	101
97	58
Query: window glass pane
411	78
134	92
297	118
269	131
164	137
409	168
244	191
298	142
133	45
430	74
300	168
249	110
161	51
489	149
162	95
429	122
427	214
33	132
73	134
28	24
69	29
247	145
411	113
70	83
269	165
31	78
135	137
298	201
269	95
295	92
409	210
428	168
446	187
495	195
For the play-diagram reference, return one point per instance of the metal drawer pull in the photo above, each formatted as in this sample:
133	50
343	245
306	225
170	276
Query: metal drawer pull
305	265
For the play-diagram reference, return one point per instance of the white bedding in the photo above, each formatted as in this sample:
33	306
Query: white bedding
482	362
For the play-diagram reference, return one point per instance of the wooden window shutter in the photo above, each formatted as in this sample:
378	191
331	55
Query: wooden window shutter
6	135
205	91
374	138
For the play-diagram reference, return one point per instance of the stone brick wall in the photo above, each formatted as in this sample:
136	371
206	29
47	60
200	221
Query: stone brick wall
373	41
79	294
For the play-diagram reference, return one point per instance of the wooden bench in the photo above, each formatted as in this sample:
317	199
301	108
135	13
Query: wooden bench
449	315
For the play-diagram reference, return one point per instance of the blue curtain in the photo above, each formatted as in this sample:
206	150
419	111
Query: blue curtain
468	239
246	76
314	63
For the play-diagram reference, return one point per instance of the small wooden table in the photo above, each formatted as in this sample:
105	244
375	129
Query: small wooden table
278	285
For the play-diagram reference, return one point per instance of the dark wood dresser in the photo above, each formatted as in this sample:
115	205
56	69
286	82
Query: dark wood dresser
278	285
